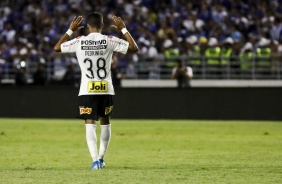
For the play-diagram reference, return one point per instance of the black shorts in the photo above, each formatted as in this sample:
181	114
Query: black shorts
95	106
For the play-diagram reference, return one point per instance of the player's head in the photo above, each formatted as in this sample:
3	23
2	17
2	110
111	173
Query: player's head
95	20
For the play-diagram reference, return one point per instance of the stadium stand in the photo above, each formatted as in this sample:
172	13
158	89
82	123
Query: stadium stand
219	39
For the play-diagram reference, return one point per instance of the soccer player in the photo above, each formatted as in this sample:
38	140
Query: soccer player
96	95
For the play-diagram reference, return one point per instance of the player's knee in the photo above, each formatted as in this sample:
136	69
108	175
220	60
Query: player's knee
90	121
105	120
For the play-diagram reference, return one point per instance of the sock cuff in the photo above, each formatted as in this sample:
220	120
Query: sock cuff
90	125
106	125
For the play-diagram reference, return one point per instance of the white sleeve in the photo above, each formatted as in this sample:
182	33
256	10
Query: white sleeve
118	45
173	71
70	46
189	71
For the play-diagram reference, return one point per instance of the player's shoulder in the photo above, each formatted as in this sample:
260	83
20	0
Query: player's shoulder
79	37
112	38
116	41
72	42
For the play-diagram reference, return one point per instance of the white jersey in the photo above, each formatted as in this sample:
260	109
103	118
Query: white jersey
94	53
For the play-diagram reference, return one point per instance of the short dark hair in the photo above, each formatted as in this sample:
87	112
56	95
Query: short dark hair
95	19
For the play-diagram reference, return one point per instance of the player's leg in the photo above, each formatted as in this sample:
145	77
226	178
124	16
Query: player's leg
91	140
105	114
87	105
104	138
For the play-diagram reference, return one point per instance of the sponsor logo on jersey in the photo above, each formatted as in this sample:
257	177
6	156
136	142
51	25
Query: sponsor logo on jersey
86	110
108	110
93	45
97	86
92	42
98	47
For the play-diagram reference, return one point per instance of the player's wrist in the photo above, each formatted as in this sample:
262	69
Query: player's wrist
124	30
69	32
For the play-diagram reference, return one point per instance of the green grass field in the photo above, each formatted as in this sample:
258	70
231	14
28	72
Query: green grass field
49	151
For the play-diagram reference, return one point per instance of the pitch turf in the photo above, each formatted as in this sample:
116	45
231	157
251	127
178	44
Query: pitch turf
142	151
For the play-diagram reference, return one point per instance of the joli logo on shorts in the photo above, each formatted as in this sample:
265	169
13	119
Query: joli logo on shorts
97	86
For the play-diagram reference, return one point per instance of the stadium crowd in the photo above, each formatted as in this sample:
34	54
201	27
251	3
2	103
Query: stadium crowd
168	28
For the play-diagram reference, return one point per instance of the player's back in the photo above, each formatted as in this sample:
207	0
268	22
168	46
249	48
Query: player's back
94	56
94	53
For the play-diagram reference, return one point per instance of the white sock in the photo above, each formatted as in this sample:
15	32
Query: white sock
104	140
91	140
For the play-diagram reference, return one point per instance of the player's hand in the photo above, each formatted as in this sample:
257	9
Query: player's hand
119	24
75	24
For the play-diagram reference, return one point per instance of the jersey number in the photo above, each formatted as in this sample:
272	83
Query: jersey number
101	68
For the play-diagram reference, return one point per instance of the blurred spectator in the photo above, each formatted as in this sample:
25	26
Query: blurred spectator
246	61
21	78
212	54
116	73
8	33
154	68
226	57
171	52
154	62
276	28
183	74
40	75
263	57
194	53
142	58
69	76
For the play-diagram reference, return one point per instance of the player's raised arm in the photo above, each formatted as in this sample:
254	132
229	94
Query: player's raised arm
74	26
119	25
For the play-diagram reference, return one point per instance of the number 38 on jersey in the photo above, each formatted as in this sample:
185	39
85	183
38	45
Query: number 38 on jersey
99	69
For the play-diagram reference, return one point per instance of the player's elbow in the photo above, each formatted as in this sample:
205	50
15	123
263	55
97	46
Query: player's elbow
56	49
136	49
133	48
